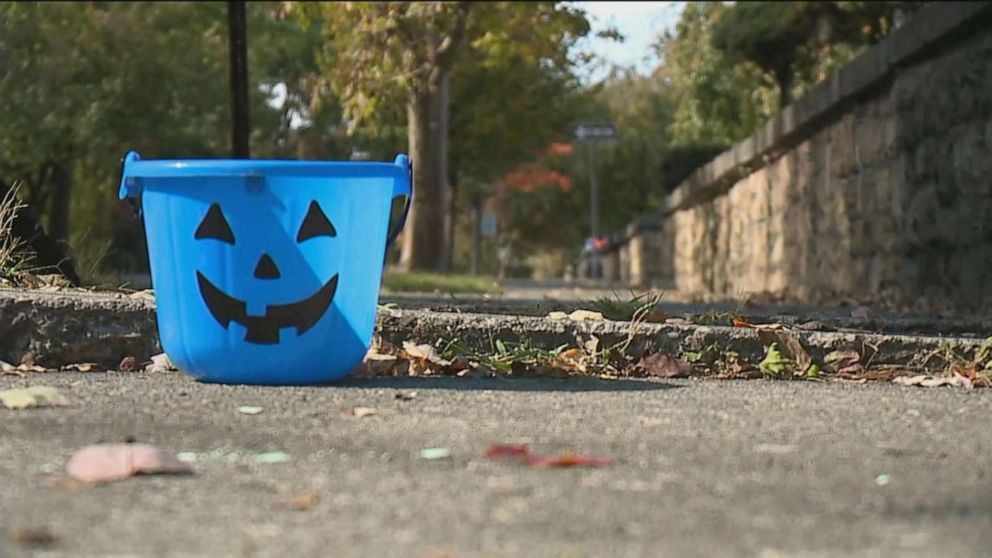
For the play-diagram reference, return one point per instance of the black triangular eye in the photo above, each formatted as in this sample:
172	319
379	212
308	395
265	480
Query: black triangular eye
315	224
215	226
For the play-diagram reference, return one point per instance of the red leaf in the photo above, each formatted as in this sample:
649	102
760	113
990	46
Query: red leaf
498	451
740	323
522	454
567	460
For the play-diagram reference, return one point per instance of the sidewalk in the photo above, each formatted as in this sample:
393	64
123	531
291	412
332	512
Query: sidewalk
700	468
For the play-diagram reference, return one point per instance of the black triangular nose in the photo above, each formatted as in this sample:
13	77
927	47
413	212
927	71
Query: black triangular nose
266	268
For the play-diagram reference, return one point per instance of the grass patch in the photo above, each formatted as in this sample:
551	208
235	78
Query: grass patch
412	282
12	251
624	309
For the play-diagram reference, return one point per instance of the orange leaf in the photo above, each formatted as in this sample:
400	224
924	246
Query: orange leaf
497	451
567	460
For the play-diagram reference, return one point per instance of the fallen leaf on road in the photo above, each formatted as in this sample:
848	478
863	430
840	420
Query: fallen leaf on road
521	452
426	352
108	462
844	362
924	380
432	454
300	502
32	536
406	396
557	316
662	365
567	460
80	367
249	410
33	396
273	457
128	364
498	451
359	412
738	322
160	363
883	479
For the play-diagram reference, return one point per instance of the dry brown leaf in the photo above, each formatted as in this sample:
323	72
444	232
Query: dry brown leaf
663	365
81	367
128	364
32	536
161	363
584	315
301	502
32	396
360	412
844	362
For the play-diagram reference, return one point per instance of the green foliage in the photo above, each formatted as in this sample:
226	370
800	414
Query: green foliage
775	363
718	101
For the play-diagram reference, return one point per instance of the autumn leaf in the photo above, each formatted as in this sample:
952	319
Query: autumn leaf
498	451
33	396
568	460
361	412
663	365
300	502
520	452
109	462
740	322
844	362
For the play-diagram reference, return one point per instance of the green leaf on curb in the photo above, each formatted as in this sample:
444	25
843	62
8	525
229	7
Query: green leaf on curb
813	371
774	363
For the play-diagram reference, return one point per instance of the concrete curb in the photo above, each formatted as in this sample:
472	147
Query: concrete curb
710	344
73	327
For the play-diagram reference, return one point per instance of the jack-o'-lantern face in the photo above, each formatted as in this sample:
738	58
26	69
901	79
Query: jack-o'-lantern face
264	330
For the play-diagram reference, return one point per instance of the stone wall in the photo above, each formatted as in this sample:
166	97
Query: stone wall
875	187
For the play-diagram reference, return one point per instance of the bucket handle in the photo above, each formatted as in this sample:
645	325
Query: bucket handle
402	188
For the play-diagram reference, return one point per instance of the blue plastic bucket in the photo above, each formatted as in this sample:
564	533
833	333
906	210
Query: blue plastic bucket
266	272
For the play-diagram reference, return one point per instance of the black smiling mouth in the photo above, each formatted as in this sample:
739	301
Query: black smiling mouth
264	330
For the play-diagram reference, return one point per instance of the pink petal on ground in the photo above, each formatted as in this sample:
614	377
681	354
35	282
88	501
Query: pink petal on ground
107	462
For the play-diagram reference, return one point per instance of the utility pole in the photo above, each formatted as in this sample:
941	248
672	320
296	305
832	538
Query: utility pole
594	267
590	134
238	51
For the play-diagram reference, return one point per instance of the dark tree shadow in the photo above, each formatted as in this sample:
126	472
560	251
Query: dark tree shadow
571	384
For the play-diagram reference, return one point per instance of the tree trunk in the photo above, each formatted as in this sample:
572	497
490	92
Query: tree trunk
784	78
447	247
58	217
477	235
424	240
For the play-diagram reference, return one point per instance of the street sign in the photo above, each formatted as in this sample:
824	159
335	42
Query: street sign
595	132
490	224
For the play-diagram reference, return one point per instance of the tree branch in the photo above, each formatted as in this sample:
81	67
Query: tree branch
447	51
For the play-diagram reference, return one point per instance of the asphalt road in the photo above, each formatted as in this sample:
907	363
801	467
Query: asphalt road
701	468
